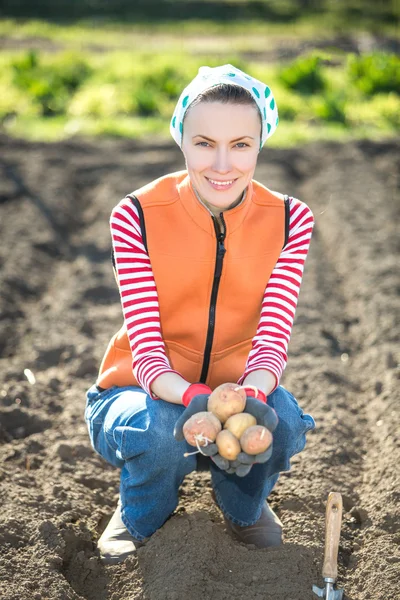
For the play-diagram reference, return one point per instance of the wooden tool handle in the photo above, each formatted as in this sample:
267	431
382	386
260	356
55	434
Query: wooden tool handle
334	509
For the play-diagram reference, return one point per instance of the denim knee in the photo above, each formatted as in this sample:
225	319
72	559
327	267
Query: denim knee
290	435
161	456
241	498
140	431
154	467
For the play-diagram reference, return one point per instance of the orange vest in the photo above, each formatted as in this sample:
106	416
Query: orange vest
210	291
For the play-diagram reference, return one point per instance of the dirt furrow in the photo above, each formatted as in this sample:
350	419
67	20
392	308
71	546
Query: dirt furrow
365	248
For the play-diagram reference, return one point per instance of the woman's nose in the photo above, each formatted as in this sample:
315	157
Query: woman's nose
222	162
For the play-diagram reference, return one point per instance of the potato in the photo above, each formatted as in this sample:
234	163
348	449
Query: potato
256	439
202	428
228	445
226	400
237	424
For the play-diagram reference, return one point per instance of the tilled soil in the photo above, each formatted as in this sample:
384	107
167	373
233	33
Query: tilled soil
59	306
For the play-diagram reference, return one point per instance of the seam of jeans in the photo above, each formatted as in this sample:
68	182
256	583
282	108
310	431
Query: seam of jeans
230	517
89	418
107	435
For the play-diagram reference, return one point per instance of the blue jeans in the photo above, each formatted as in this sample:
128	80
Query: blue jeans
135	433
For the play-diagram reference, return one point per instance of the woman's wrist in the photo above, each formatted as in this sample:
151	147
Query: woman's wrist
262	379
170	387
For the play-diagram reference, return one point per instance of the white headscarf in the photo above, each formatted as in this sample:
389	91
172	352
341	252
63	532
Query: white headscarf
208	77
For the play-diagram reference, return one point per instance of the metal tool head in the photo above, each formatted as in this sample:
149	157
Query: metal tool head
328	592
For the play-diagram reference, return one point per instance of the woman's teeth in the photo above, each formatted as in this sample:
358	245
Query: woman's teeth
221	182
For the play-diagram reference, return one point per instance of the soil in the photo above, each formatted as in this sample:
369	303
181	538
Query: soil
59	306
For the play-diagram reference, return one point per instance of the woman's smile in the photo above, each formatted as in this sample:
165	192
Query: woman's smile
220	185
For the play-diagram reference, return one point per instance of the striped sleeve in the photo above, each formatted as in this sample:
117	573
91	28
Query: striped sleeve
269	345
139	297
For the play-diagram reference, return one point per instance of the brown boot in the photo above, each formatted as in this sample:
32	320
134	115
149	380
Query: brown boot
266	532
116	543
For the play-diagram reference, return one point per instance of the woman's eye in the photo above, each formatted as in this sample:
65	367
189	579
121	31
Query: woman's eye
238	145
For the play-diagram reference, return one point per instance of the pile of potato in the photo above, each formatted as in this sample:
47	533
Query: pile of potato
226	424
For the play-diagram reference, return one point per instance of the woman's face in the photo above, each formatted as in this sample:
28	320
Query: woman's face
221	143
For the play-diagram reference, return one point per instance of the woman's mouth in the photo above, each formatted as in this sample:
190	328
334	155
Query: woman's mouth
221	185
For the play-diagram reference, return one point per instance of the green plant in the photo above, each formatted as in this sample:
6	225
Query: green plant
49	83
331	107
391	110
375	73
382	111
147	102
97	100
304	75
166	79
290	106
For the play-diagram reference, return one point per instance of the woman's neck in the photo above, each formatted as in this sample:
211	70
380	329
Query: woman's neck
216	212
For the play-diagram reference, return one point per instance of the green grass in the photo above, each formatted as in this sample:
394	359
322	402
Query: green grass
61	128
120	93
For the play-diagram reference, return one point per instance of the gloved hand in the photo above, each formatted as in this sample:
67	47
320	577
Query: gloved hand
198	403
266	416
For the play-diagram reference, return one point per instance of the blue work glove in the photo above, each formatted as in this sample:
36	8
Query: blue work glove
195	404
265	416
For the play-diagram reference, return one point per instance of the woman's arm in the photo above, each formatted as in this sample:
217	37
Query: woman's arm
268	355
140	307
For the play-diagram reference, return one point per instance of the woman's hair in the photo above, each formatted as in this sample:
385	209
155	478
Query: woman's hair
227	94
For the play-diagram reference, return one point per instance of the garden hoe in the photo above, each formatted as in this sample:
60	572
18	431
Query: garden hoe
332	535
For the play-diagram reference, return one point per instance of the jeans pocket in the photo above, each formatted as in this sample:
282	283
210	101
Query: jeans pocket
96	405
130	441
93	413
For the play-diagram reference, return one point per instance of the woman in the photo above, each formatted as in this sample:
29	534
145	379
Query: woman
209	265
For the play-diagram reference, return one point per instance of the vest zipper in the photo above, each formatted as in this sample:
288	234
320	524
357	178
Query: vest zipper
220	253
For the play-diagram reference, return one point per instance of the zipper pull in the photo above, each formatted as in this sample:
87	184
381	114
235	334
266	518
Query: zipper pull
220	257
222	234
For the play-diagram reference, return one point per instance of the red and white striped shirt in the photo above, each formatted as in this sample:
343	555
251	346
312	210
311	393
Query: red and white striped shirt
140	301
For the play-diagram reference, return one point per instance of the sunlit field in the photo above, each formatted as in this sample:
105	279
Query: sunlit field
58	81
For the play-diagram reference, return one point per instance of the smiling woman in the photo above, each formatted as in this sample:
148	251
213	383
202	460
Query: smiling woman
209	264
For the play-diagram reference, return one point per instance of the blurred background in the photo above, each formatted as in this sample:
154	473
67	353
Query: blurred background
98	68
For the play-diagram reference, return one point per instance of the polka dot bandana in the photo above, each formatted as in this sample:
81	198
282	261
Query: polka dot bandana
208	77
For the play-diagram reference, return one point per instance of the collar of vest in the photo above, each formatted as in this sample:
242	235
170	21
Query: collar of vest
201	215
